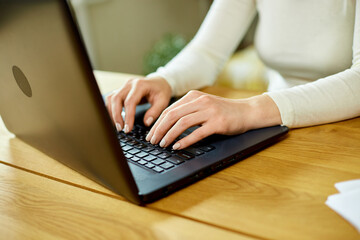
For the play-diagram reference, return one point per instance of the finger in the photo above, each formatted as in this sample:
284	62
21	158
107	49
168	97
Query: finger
170	118
132	100
186	99
200	133
108	104
158	104
180	126
116	109
111	102
190	96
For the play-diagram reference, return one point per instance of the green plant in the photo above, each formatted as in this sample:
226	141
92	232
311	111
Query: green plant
162	52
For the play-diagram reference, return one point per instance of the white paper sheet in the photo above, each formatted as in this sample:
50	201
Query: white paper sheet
347	202
348	185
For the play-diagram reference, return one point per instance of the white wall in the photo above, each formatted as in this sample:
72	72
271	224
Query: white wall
119	32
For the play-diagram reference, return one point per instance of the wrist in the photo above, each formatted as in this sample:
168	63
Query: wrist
170	84
166	87
162	83
263	112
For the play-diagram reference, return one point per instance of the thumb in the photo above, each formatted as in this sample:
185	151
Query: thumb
157	106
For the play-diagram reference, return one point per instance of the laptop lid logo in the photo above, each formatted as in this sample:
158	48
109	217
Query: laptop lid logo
22	81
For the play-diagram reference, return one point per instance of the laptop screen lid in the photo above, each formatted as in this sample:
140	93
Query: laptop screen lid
49	97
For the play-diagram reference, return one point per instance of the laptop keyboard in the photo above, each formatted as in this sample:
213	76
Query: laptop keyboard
152	157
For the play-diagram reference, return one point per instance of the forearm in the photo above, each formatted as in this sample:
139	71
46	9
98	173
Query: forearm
333	98
330	99
200	62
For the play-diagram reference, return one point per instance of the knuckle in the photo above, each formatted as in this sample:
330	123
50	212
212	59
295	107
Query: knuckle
159	130
137	82
171	114
164	113
115	116
130	81
200	135
205	99
116	96
108	99
183	122
114	110
127	84
194	93
141	81
128	102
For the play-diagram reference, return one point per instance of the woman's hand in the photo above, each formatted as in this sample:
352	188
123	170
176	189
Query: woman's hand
154	90
215	115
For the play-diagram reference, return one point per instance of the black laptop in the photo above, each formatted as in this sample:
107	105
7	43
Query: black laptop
49	98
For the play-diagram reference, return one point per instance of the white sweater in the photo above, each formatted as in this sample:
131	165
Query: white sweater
314	44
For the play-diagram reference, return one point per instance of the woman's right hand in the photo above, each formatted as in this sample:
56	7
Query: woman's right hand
155	90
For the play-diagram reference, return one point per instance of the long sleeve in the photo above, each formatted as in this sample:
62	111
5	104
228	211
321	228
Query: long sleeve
198	64
329	99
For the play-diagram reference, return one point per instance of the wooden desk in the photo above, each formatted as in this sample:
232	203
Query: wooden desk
278	193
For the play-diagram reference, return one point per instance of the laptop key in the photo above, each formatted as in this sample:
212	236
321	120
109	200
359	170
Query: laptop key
135	159
126	148
149	165
158	169
164	155
150	158
175	160
170	150
156	152
147	149
194	151
140	145
184	155
127	155
142	162
125	140
207	148
142	154
158	161
134	151
132	142
167	165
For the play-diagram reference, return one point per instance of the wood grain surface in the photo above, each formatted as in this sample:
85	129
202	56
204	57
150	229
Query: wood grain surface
35	207
278	193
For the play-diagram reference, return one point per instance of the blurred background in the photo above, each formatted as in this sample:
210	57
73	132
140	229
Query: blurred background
138	36
120	33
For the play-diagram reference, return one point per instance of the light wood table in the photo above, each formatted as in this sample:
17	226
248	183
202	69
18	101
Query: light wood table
278	193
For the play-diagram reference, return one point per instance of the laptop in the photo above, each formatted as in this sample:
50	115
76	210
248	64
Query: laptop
49	98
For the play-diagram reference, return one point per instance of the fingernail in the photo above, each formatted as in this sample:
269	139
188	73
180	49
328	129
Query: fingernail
162	143
149	121
153	139
147	137
118	127
126	128
176	146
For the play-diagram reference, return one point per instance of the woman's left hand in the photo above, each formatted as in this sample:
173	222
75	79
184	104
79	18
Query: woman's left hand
215	115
